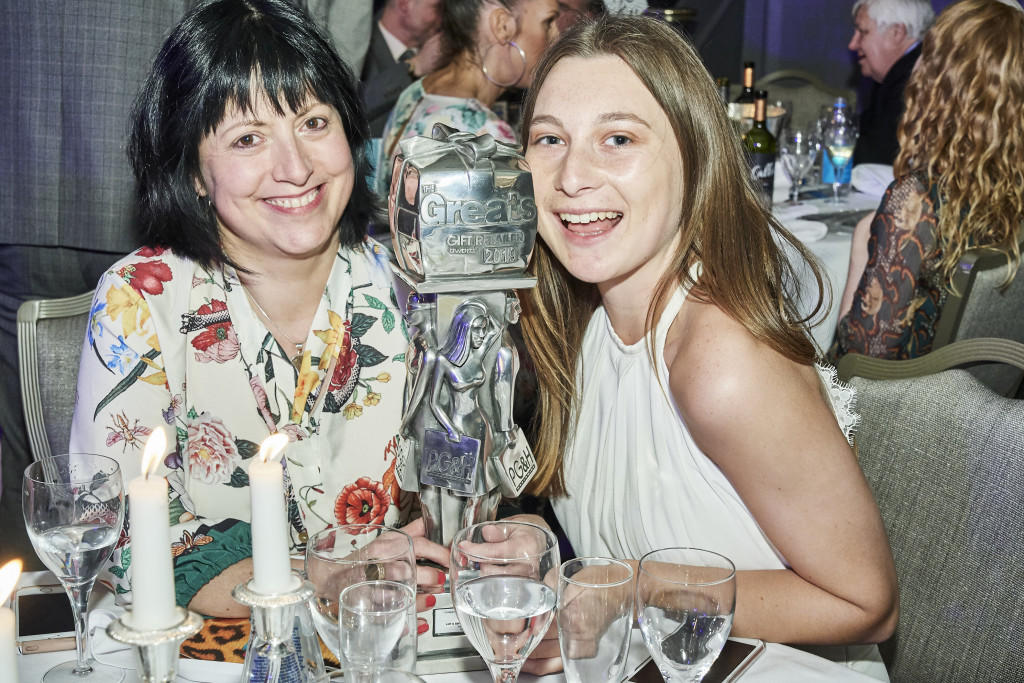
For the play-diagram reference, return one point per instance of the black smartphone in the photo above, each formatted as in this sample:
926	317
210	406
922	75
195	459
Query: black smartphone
734	659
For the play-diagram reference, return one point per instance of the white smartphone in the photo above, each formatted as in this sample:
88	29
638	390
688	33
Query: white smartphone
45	620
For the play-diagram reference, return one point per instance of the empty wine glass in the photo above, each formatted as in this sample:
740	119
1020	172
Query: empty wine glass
595	616
377	629
74	510
798	149
339	557
503	577
685	599
840	139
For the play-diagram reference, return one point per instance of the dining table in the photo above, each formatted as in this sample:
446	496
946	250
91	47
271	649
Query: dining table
777	662
826	230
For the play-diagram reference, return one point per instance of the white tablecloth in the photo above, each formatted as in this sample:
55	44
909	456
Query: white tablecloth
778	663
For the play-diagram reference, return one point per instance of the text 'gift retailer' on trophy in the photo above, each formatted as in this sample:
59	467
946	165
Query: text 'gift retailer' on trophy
463	224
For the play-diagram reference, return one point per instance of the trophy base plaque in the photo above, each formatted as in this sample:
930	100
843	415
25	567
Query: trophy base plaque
444	648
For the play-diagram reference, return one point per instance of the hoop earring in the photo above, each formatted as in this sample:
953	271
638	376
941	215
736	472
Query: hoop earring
483	65
205	203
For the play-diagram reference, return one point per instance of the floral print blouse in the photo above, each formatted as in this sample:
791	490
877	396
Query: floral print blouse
171	343
900	296
415	114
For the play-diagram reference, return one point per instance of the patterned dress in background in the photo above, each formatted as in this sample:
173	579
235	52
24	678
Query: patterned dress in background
171	343
415	114
900	296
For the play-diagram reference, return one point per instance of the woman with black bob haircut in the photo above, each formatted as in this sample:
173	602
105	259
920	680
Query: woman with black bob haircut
258	304
226	55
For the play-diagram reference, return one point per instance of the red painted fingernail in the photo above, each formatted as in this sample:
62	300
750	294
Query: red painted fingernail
442	577
431	601
422	628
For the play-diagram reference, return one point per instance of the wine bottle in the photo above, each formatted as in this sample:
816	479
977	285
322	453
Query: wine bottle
760	145
723	90
746	96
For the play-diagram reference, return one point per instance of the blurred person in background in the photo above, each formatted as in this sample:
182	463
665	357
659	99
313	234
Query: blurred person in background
490	46
405	45
574	11
959	182
887	41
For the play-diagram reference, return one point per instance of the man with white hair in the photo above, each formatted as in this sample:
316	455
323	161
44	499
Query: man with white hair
887	39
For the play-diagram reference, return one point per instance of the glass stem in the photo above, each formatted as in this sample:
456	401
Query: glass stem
505	674
80	607
794	193
836	172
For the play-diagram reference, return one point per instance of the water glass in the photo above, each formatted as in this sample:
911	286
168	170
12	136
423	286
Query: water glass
503	582
342	556
74	511
594	614
840	139
685	601
798	149
378	629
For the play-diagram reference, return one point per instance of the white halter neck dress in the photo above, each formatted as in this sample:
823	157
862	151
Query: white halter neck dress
636	481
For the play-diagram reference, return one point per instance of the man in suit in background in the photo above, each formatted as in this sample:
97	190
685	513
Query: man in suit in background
405	45
887	40
69	72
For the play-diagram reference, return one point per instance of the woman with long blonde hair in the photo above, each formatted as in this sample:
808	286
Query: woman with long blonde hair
959	182
680	404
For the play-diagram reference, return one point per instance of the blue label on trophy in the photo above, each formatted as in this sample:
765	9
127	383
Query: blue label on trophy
448	464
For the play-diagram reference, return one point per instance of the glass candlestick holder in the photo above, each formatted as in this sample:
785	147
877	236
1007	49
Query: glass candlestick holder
156	651
283	645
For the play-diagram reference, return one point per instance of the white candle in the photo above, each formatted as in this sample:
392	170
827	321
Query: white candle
271	563
152	571
8	651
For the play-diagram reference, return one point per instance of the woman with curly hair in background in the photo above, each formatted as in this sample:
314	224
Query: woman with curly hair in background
959	182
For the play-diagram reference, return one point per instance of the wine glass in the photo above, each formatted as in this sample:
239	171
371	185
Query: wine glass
339	557
840	139
503	578
74	511
798	149
685	600
378	628
595	616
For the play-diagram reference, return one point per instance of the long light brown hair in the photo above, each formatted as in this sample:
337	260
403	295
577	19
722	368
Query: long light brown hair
724	225
964	127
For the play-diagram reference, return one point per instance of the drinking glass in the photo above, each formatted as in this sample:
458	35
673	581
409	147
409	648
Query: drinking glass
798	149
378	629
840	139
685	600
594	615
74	511
503	577
339	557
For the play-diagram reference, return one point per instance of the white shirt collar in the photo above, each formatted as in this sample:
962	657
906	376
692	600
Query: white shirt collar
395	46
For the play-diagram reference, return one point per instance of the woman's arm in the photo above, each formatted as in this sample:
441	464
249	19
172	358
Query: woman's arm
122	395
763	420
858	260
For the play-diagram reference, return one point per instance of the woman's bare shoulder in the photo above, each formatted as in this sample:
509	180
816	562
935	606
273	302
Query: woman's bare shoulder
721	375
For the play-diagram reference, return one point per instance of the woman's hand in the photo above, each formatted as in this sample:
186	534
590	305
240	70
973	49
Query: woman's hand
429	580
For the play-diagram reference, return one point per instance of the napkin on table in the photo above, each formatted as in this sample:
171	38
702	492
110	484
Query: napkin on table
793	219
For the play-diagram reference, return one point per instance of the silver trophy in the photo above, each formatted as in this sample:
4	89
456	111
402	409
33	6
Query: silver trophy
463	224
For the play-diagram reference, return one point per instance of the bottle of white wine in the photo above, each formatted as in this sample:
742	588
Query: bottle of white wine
746	95
760	145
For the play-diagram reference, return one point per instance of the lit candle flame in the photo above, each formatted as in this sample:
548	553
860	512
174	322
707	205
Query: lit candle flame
272	446
155	447
9	574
